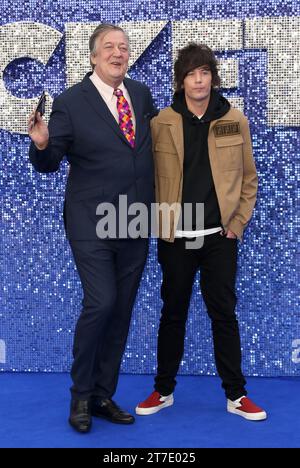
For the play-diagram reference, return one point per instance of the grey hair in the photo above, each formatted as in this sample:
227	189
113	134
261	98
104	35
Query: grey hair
101	29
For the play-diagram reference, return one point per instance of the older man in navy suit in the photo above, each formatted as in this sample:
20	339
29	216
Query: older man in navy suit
102	126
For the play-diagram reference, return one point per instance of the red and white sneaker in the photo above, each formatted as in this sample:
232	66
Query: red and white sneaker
154	403
244	407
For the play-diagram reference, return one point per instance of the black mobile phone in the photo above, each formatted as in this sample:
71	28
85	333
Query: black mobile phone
40	106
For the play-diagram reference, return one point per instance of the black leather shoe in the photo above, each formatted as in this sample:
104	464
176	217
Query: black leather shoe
106	408
80	415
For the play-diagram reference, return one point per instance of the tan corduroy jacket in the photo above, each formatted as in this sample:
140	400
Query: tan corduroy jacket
232	165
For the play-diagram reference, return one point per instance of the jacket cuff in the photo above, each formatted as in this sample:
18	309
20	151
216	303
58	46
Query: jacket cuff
43	152
237	227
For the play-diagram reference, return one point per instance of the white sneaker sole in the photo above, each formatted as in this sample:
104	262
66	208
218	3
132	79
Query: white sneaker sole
155	409
250	416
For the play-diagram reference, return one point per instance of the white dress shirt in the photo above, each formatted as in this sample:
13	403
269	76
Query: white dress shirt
107	94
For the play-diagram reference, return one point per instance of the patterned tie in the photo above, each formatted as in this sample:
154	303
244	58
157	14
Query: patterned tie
125	117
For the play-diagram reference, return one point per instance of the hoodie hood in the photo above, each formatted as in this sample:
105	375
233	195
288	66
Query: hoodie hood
218	106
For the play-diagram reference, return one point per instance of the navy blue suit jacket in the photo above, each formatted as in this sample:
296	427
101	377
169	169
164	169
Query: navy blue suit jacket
102	163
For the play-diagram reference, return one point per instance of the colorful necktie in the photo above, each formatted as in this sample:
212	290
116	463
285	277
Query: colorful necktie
125	117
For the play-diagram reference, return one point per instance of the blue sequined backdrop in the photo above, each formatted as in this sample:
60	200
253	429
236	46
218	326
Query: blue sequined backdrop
40	290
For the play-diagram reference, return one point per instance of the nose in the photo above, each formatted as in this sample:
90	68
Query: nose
198	77
117	52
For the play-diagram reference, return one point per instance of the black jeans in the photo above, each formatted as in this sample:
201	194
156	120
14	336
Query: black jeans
217	261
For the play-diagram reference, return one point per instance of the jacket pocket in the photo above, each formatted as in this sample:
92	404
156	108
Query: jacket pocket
230	153
165	148
166	160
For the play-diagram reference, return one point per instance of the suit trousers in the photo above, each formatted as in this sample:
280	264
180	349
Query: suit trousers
217	262
110	272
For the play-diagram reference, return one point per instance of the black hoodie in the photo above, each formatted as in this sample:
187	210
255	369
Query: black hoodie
198	185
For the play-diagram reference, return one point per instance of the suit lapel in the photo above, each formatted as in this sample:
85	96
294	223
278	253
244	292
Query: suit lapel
177	136
136	104
97	103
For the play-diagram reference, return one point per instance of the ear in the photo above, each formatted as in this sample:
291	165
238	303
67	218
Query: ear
92	59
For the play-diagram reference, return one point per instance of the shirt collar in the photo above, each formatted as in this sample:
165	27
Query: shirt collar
105	90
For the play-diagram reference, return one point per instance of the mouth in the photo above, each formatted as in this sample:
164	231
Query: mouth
116	64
